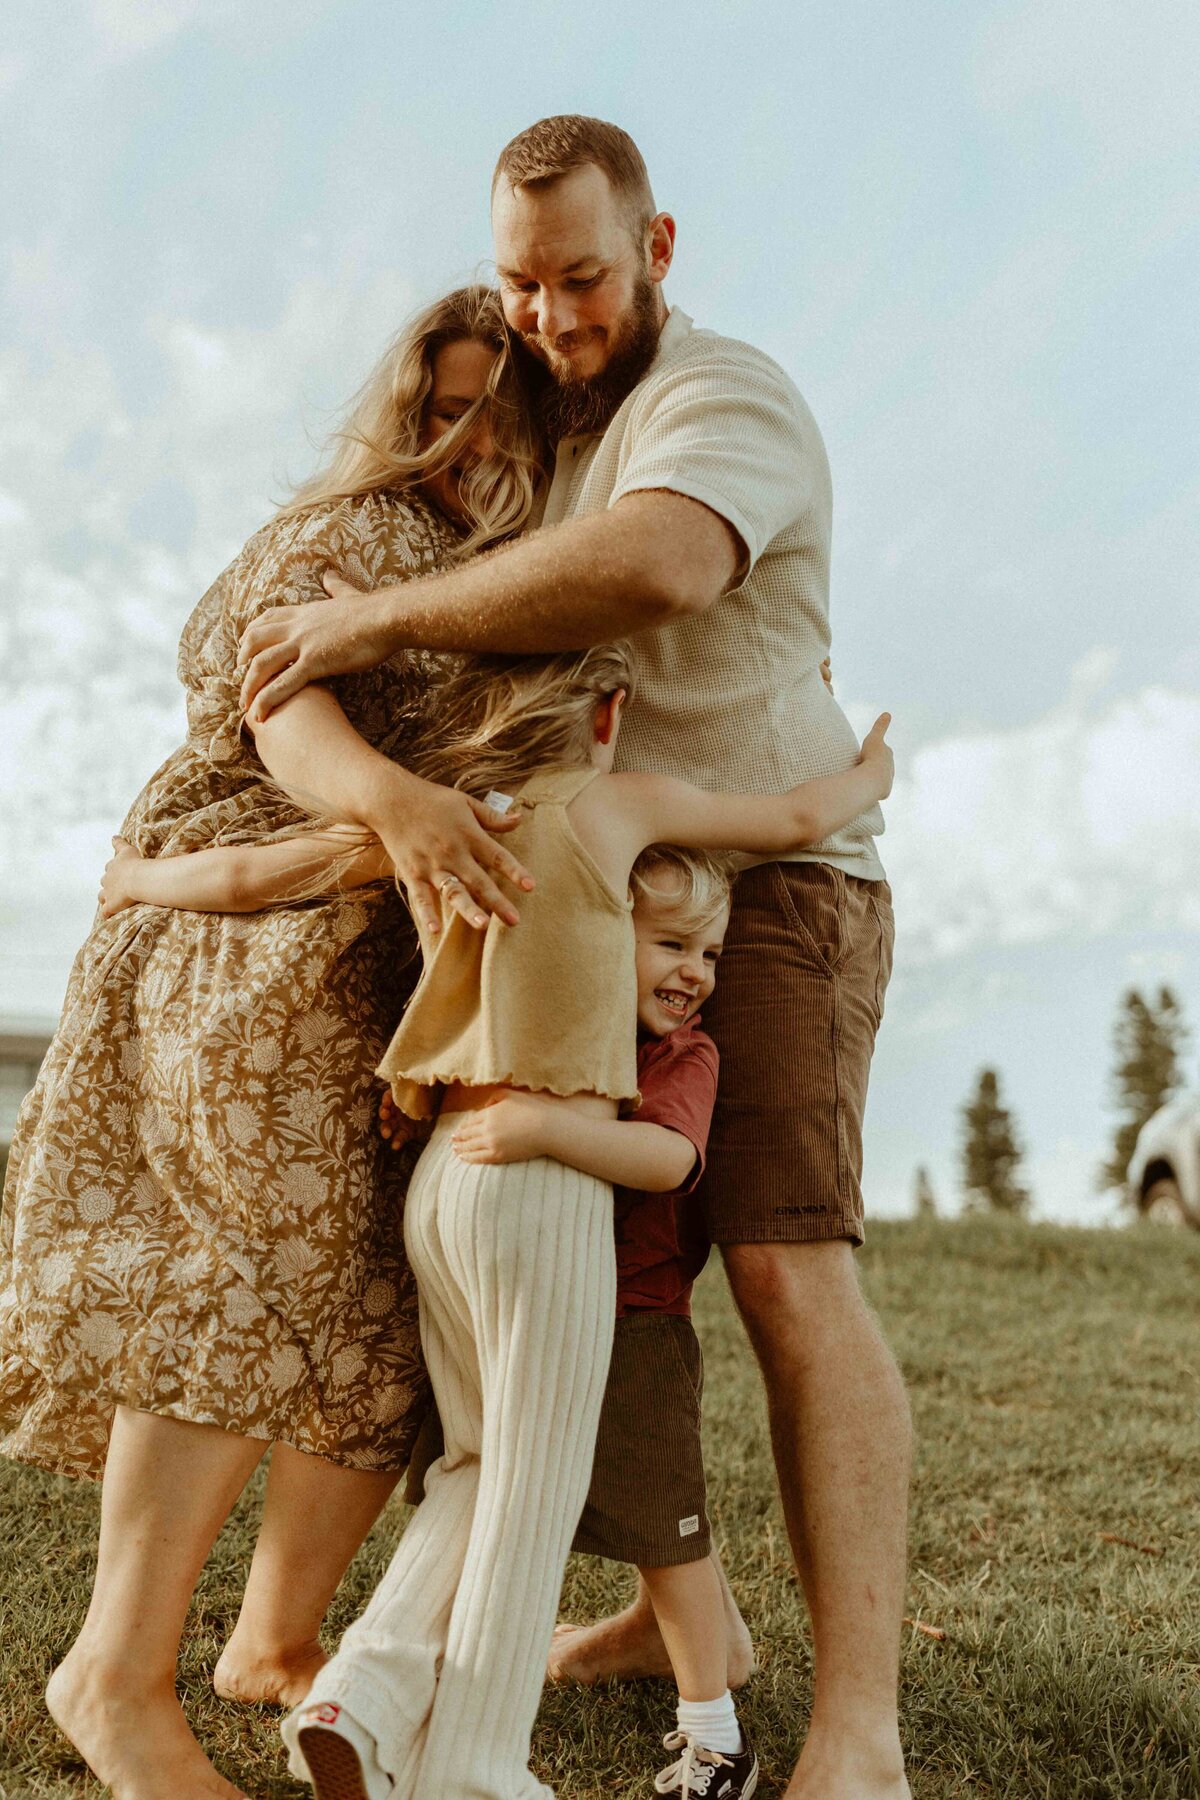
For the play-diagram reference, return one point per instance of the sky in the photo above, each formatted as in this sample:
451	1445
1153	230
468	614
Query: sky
968	231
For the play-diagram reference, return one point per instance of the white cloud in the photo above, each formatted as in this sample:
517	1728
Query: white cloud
1080	823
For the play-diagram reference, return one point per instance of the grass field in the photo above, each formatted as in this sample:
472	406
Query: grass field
1055	1544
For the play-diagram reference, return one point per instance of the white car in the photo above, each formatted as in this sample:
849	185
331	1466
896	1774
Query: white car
1164	1170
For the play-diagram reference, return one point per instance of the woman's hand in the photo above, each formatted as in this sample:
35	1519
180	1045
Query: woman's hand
443	846
116	891
515	1128
876	754
289	646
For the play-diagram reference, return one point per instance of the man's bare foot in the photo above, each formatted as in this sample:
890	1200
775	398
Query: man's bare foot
837	1767
132	1736
281	1677
629	1647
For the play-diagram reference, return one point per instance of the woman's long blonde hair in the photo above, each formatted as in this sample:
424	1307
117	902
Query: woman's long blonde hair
499	719
379	445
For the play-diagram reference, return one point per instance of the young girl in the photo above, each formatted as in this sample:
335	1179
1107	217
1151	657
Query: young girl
200	1250
435	1688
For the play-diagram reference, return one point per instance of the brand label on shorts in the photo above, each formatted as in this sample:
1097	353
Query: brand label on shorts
690	1526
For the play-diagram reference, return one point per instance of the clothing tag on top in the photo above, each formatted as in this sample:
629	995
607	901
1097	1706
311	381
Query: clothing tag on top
498	802
690	1526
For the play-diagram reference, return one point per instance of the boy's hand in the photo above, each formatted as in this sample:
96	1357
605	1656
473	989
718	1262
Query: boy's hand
827	674
876	754
515	1128
115	889
395	1126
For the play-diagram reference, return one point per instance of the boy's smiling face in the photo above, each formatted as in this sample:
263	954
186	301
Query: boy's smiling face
676	963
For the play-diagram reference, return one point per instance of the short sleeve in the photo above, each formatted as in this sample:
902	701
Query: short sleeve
282	565
680	1093
733	433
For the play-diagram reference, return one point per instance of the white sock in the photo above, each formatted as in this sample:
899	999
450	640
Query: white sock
713	1723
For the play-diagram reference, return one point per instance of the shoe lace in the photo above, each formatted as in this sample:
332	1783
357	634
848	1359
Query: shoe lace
694	1771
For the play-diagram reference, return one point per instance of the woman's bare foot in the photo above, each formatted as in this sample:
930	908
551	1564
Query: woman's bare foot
629	1647
132	1736
280	1677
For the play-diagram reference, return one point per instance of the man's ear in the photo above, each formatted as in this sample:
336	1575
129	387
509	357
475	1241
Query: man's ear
660	246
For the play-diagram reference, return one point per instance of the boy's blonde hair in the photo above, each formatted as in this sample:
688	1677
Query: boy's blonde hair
693	886
498	719
379	445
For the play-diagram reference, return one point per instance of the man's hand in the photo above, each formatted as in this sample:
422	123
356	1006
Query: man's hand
290	646
515	1128
442	845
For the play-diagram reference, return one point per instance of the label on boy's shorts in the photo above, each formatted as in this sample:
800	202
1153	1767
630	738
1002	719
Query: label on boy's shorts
690	1526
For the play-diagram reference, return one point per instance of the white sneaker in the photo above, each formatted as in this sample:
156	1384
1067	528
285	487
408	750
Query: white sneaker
342	1756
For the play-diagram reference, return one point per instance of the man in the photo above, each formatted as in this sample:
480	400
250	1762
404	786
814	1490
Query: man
690	509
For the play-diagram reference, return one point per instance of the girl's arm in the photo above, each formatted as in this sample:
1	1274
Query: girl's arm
520	1127
662	810
245	878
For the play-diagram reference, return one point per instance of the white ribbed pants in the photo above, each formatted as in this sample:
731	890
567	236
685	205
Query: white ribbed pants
516	1274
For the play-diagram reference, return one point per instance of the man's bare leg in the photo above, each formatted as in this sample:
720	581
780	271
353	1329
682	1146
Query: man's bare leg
315	1517
841	1433
168	1487
629	1646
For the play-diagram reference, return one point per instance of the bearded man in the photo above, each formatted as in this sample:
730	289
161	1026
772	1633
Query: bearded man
690	510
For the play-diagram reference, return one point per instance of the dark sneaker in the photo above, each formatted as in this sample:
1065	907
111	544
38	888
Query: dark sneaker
702	1774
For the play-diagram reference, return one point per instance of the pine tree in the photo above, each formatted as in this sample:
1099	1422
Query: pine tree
991	1151
1148	1041
924	1203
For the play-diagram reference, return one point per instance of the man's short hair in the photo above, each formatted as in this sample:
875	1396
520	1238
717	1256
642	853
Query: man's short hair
545	152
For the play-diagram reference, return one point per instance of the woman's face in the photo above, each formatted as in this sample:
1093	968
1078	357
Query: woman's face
460	374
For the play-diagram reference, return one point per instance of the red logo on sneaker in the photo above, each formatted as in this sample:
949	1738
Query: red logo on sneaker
326	1715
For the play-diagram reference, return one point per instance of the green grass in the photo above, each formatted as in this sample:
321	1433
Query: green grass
1054	1381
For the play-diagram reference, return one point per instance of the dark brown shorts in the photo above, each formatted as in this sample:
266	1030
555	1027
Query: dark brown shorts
798	1001
646	1504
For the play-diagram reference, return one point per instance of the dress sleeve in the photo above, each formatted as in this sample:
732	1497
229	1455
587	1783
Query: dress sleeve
281	565
680	1094
733	433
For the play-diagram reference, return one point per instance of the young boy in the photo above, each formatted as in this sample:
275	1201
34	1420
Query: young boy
646	1504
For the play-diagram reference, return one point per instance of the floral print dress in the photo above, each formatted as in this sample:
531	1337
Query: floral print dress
200	1219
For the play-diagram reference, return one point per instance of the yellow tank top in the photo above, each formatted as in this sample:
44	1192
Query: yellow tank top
549	1004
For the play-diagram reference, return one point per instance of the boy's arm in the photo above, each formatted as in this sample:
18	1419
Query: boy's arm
245	878
663	810
627	1152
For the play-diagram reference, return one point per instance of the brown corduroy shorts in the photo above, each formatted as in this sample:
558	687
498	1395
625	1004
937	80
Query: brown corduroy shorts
647	1504
797	1004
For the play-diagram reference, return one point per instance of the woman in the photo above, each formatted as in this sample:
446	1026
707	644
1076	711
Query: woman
201	1243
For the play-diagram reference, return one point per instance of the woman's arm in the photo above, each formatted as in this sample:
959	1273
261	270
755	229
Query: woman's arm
245	877
519	1127
662	810
430	832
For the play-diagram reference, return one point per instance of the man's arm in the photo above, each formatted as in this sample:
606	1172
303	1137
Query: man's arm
652	557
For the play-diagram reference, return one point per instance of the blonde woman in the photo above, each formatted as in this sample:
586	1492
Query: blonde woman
200	1252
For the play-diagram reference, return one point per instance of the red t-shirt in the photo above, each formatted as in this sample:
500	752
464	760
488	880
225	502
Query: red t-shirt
661	1242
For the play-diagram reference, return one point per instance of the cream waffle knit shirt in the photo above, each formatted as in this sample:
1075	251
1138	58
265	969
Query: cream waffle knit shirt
732	698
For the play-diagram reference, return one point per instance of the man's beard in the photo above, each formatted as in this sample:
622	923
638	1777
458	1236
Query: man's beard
571	405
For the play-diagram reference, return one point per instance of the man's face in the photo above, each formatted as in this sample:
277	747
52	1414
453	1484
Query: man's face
581	290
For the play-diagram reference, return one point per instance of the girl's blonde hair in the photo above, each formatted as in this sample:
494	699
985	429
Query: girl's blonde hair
693	886
498	719
379	445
